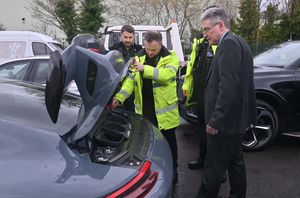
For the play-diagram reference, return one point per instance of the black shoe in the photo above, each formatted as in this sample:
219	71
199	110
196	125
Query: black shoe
223	179
196	164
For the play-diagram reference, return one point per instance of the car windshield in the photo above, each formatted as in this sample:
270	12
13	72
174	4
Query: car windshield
279	56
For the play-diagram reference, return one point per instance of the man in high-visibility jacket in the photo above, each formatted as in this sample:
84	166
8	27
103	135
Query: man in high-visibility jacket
153	81
193	88
128	48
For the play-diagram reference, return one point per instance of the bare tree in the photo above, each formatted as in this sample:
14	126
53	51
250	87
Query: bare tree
287	5
59	13
45	28
45	11
160	12
231	6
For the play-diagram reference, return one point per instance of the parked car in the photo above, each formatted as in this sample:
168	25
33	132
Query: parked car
54	144
32	69
277	87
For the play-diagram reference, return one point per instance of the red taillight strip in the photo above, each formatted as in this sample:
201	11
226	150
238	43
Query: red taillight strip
95	50
142	172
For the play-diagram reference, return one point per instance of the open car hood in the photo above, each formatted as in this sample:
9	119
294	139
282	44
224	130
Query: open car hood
96	76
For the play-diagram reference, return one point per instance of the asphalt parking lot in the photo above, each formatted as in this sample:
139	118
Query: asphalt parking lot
271	173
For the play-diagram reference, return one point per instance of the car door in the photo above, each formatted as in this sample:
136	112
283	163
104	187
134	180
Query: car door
297	83
19	70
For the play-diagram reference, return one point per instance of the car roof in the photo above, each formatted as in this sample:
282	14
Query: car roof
46	57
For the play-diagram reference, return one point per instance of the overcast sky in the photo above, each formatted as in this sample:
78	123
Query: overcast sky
13	11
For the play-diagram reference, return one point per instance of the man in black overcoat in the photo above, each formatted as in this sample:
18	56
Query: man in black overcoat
230	106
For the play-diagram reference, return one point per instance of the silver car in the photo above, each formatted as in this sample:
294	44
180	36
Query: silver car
56	144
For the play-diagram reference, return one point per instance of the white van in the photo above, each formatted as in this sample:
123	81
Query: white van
19	44
170	37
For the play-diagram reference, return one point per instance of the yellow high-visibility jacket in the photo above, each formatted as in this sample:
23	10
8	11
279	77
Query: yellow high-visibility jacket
164	88
188	79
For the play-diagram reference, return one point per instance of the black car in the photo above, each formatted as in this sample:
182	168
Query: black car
277	87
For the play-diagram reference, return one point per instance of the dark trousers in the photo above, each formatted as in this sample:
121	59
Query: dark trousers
201	129
170	135
223	153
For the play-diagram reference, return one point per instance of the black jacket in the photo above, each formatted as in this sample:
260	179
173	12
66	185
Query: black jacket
230	104
127	54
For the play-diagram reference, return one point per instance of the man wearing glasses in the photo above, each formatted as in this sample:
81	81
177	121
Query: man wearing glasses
193	88
230	106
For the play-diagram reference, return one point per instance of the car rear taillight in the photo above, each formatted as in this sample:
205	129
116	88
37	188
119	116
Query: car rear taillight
138	186
95	50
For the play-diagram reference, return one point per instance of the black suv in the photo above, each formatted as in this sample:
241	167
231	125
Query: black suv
277	87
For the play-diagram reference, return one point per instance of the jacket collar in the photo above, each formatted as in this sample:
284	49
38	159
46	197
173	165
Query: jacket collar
163	52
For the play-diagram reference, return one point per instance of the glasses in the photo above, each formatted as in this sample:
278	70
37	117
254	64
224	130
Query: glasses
205	30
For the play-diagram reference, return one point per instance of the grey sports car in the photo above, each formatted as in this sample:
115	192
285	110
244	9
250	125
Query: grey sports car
56	144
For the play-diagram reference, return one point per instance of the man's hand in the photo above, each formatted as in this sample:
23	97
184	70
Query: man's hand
185	92
138	66
211	131
115	103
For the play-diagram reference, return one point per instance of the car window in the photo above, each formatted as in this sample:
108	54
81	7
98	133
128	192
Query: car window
279	55
12	49
41	72
40	48
14	70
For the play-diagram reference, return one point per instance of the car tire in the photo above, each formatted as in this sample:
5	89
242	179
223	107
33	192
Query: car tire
265	130
187	113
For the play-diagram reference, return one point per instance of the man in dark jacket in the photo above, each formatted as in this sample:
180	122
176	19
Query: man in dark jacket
128	48
230	106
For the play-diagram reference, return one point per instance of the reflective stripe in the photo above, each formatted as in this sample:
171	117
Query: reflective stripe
124	93
136	108
172	67
155	75
167	109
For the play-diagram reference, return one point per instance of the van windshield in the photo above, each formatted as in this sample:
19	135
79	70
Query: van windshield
57	46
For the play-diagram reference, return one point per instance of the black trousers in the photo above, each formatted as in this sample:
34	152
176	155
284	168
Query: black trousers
223	153
201	129
170	135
